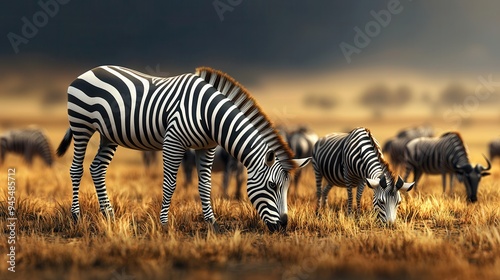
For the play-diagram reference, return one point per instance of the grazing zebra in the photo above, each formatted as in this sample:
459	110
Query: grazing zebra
444	155
29	143
198	111
395	147
494	149
301	141
351	160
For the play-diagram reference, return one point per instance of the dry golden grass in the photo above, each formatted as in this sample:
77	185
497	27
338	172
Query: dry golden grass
437	236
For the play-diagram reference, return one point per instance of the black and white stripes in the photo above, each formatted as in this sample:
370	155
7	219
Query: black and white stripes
196	111
352	160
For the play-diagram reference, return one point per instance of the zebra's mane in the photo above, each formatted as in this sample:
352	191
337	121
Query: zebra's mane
380	156
242	99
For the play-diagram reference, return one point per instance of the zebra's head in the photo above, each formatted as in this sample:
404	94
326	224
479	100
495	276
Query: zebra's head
386	198
267	190
471	176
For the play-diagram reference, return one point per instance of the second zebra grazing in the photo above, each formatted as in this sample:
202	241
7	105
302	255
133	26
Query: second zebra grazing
444	155
198	111
351	160
28	142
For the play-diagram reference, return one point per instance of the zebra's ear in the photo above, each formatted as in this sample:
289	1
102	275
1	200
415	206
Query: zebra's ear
373	183
270	158
402	186
301	162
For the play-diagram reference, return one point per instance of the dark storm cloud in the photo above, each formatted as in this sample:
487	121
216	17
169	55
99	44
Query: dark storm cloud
449	35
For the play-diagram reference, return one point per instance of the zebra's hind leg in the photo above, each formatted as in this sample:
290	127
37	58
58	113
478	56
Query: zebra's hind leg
204	160
81	140
98	170
172	158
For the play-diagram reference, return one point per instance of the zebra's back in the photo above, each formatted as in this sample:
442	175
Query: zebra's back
327	158
130	108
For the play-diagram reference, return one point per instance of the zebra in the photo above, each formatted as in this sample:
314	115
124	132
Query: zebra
351	160
494	149
301	141
198	111
444	155
28	142
395	147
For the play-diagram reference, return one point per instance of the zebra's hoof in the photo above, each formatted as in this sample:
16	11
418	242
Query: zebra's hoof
215	227
109	214
164	228
75	216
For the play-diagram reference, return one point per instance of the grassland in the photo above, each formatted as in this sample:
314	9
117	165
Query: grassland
437	236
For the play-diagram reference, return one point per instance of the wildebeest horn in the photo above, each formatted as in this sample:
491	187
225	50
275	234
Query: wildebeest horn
482	168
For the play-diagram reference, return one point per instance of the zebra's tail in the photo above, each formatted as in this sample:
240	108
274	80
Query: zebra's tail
63	147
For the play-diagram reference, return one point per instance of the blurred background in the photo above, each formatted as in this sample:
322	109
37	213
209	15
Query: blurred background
330	64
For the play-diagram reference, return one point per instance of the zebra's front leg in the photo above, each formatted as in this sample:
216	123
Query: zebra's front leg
98	170
319	181
359	194
324	195
204	161
349	199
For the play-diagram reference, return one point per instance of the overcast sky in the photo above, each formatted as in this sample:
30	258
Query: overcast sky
443	36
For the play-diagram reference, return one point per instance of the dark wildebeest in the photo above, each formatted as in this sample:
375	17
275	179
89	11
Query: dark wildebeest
395	147
301	142
444	155
494	149
223	162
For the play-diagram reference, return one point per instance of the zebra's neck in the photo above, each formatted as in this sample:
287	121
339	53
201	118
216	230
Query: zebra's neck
231	129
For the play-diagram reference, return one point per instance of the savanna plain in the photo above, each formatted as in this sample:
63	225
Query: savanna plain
437	236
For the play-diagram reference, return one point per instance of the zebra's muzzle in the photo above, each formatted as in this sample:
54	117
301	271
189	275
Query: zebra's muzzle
280	226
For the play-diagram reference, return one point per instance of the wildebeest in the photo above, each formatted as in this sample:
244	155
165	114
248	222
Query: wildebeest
28	142
444	155
395	147
494	149
301	141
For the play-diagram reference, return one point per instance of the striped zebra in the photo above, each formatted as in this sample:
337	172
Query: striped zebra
198	111
444	155
351	160
28	142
